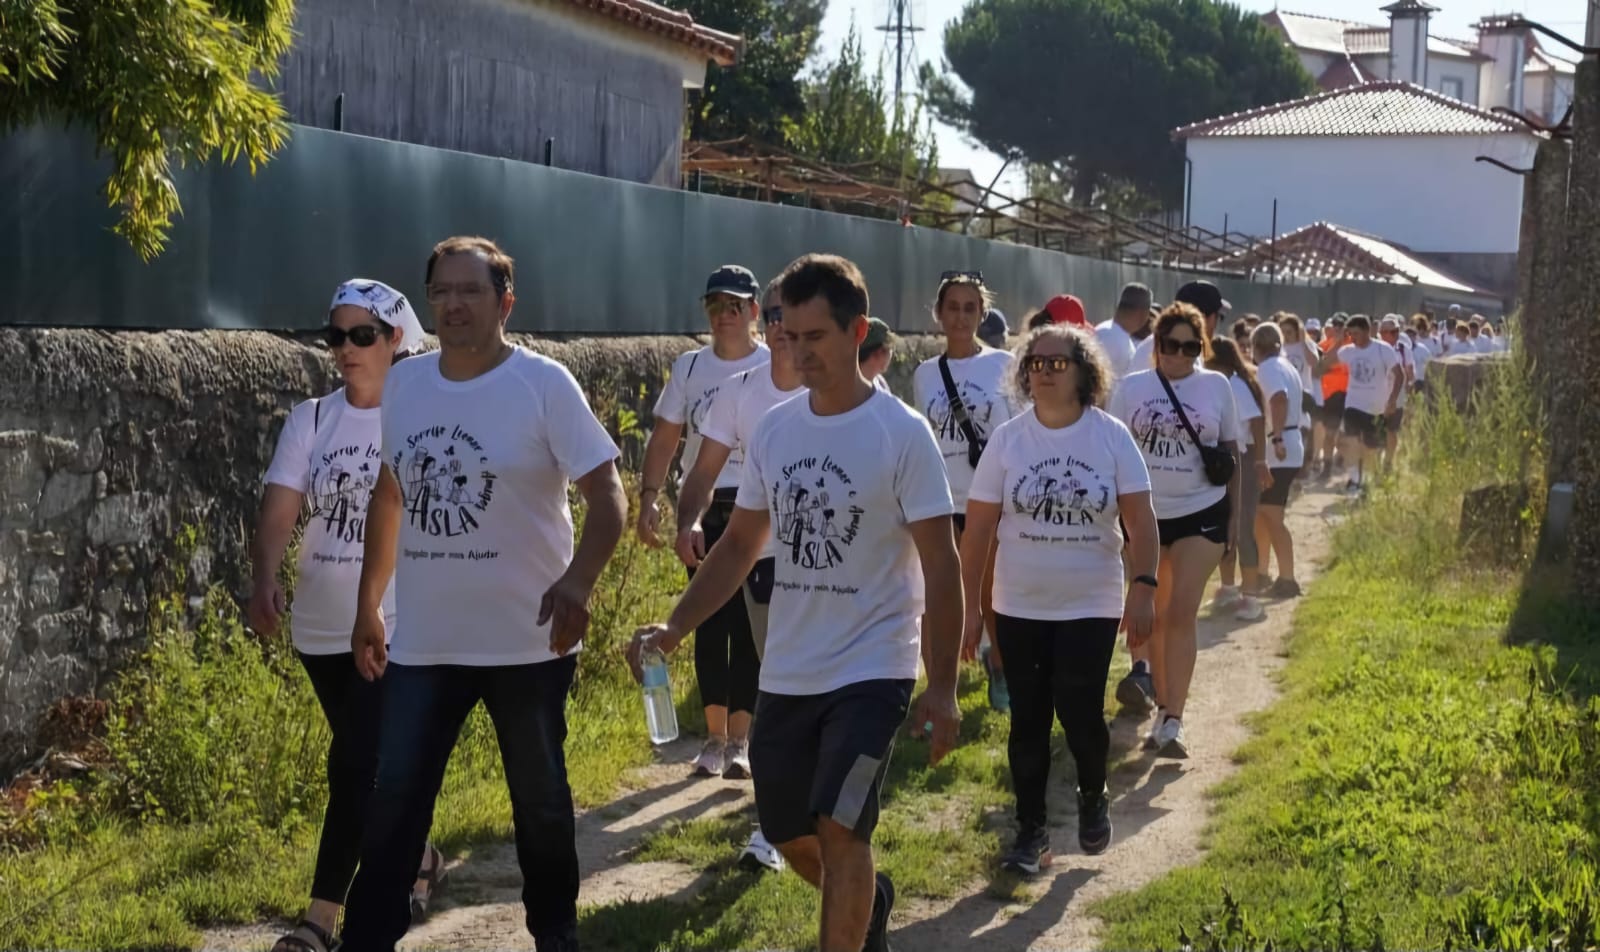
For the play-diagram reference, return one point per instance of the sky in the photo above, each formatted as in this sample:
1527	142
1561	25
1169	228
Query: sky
1454	19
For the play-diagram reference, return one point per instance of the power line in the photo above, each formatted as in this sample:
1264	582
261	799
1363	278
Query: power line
899	23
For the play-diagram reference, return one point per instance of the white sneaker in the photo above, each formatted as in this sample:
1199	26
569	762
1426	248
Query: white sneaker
1250	609
1228	596
1170	739
759	854
1152	740
709	763
736	760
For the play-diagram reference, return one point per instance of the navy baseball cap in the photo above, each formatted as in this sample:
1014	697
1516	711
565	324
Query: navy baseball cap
732	279
1203	295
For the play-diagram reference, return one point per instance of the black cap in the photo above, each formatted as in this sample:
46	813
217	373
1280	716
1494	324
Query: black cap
732	279
1202	295
1135	297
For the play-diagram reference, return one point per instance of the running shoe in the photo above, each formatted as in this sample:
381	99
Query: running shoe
1228	596
1152	740
1029	853
1284	588
736	760
1137	692
1250	609
878	928
709	763
759	854
1169	739
1094	822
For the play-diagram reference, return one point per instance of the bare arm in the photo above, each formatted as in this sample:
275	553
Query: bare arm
1397	382
606	508
1233	492
1278	409
658	453
1144	553
368	638
694	497
722	572
983	518
280	511
941	629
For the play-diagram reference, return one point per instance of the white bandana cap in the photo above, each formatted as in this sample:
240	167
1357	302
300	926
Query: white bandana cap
384	303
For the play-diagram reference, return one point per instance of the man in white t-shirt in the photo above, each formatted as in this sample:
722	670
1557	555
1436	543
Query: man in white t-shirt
850	484
1116	335
1371	396
1389	332
480	442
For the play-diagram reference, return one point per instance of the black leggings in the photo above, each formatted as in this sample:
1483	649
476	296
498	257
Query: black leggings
725	661
354	709
1056	668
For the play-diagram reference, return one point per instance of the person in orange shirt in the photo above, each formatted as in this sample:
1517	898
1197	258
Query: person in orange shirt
1335	381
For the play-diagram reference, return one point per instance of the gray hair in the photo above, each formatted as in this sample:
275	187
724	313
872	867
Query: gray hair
1267	337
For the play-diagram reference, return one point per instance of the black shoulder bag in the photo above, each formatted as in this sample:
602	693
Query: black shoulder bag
958	407
1218	462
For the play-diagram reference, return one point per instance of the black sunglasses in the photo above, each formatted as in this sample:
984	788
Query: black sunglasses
772	315
1056	363
1188	348
973	276
362	335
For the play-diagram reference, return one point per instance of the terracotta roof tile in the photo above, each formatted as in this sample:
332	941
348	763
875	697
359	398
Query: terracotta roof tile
673	24
1371	109
1333	252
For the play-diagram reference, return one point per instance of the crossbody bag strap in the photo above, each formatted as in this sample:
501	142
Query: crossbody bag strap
316	413
1177	406
958	406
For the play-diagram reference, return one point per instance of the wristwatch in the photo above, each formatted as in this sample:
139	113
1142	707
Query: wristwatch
1149	580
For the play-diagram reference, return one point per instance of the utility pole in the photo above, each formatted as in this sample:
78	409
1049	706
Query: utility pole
905	45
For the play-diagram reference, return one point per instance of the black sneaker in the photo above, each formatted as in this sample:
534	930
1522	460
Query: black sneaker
1030	853
878	928
1094	822
1284	588
1137	692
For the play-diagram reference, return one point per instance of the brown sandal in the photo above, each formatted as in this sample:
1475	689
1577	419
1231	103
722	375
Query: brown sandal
294	941
434	875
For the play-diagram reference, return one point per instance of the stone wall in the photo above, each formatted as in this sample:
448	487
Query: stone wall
112	443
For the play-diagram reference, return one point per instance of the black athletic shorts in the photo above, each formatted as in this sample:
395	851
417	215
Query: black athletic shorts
1332	411
960	519
824	755
1210	523
1308	405
1278	493
1364	425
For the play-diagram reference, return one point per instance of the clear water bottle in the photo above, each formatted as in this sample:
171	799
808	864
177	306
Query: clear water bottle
659	713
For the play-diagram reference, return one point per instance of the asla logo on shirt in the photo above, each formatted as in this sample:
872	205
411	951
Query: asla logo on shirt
445	480
1060	492
817	517
1159	431
701	407
341	485
980	410
1363	372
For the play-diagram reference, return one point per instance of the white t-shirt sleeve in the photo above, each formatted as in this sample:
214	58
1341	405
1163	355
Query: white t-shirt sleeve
291	460
575	437
1228	425
1133	476
919	476
752	486
1116	406
673	404
722	420
988	481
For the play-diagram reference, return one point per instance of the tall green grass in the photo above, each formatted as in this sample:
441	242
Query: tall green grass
1431	776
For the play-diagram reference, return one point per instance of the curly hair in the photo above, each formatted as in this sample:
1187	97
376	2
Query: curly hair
1175	314
1094	370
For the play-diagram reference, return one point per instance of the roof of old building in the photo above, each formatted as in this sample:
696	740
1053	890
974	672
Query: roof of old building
1385	108
672	24
1325	250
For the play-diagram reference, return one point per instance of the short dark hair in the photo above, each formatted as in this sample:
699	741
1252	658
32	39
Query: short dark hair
1359	322
501	267
837	280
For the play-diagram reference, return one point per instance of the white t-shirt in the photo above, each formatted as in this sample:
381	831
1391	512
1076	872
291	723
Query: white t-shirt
1370	378
1421	355
1245	403
687	397
483	467
1277	375
1144	355
331	456
1403	350
739	406
1119	347
840	491
1302	363
1177	477
979	379
1483	345
1059	546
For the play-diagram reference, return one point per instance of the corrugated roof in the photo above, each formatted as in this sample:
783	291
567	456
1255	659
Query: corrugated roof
673	24
1372	109
1374	40
1324	250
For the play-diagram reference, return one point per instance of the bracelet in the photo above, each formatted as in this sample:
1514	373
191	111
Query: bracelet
1277	439
649	489
1149	580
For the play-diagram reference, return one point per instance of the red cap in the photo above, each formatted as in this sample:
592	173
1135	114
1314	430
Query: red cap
1066	309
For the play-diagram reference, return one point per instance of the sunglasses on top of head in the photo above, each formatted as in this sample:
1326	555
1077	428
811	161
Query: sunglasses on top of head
976	277
362	335
1188	348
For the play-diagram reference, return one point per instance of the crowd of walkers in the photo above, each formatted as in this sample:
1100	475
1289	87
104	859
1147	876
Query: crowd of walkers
1036	499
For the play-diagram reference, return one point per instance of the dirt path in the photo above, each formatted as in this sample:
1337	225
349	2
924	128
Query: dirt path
1159	809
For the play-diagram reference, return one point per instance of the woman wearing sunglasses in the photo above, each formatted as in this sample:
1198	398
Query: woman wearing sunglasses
963	394
1196	517
328	456
1052	486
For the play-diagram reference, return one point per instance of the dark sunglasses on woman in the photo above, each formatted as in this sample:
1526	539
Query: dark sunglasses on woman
362	335
1188	348
1055	363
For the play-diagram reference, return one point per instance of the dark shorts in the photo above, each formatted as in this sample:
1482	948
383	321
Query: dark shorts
960	519
1331	413
1278	493
1396	418
1210	523
1363	425
1308	405
824	755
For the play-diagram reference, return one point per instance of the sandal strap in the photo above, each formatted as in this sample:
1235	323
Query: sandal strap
323	937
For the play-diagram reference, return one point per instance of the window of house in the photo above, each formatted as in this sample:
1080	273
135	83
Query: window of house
1451	86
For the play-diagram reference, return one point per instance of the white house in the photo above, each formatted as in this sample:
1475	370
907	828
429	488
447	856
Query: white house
1501	66
1386	158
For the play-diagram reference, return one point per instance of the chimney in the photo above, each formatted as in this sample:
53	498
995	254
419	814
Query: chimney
1408	40
1507	47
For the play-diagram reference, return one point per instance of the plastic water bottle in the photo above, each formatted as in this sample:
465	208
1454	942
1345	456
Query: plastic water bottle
659	713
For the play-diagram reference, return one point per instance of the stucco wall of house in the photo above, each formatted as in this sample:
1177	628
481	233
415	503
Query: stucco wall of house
1426	192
